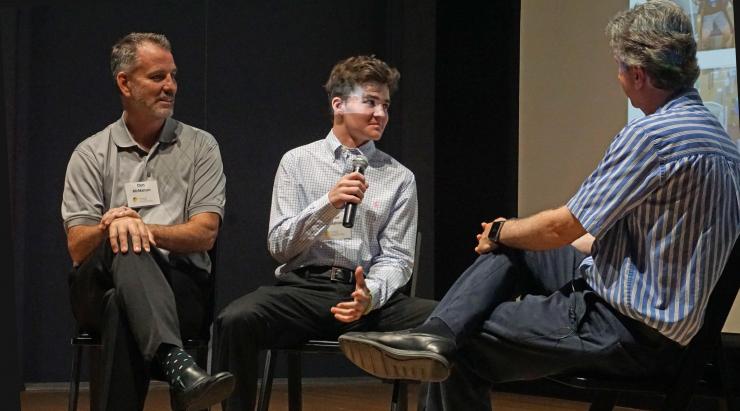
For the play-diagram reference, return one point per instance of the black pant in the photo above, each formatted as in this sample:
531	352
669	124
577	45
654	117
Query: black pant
135	302
559	324
288	314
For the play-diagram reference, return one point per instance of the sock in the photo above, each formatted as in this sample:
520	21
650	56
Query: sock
173	360
435	326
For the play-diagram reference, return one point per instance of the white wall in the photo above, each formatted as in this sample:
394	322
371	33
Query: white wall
570	103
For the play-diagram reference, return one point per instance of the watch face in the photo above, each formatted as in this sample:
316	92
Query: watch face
495	230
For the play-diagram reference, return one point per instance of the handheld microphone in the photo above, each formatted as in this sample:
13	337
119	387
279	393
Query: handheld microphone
359	164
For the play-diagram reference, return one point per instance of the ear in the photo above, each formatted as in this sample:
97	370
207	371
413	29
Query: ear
639	77
122	82
337	105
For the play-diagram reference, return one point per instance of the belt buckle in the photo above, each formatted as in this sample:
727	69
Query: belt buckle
336	274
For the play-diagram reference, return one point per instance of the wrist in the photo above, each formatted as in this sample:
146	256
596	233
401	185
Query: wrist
369	305
494	234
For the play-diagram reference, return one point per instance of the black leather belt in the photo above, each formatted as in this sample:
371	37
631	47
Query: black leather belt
327	272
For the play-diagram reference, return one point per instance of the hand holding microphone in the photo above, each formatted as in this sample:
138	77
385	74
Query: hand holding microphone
350	190
359	164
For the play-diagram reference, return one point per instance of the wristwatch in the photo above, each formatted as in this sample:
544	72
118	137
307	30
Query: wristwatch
495	231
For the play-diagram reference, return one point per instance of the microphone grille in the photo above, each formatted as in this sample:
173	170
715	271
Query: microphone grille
359	161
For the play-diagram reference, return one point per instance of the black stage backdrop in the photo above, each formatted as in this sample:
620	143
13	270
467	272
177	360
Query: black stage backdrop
9	358
251	73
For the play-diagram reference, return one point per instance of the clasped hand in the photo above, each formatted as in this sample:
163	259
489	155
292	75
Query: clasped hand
122	222
349	311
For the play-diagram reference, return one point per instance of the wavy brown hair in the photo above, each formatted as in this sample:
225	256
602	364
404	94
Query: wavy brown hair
356	71
656	36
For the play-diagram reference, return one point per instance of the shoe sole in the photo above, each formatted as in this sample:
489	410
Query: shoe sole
394	364
216	392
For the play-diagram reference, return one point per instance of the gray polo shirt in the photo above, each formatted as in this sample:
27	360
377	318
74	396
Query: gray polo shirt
185	162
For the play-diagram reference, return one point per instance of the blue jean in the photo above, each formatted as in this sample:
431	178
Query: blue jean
525	315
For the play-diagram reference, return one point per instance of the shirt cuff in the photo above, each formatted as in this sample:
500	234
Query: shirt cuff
325	211
81	220
373	299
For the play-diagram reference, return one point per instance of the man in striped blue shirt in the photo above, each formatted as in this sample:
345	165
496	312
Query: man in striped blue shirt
615	281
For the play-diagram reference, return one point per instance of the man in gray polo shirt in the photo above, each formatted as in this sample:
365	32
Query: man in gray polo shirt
143	201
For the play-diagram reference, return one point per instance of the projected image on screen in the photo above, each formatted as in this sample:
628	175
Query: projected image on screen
714	31
713	23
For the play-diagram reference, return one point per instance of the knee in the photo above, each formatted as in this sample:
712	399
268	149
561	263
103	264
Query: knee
237	317
227	319
145	263
129	244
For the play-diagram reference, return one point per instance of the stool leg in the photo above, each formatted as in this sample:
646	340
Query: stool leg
399	400
604	401
294	381
728	385
263	403
74	379
96	370
201	358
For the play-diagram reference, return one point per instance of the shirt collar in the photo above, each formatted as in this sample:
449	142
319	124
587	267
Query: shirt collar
682	98
336	148
122	136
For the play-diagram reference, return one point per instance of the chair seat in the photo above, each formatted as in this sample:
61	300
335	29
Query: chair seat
84	338
611	383
709	384
316	346
88	339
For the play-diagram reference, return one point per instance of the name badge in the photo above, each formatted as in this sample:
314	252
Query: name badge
142	193
336	230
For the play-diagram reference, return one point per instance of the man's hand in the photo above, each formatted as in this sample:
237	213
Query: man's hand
116	212
349	189
129	225
484	244
350	311
584	243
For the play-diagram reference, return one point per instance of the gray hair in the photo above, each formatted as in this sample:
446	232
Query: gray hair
123	54
656	36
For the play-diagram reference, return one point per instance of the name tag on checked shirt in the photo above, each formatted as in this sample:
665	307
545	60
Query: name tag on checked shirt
142	193
336	230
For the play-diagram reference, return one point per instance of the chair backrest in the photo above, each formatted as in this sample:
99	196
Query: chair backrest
709	338
724	294
722	298
410	287
210	307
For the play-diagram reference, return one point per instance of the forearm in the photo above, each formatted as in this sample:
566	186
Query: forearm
82	240
543	231
184	238
290	236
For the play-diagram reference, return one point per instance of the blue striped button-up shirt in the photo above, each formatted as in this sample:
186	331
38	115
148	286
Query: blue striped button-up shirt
384	233
664	206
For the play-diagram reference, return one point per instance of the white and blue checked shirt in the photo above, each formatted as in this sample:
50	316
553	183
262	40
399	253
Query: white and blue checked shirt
384	232
664	206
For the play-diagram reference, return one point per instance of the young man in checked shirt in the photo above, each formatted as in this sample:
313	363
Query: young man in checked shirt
617	280
332	279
